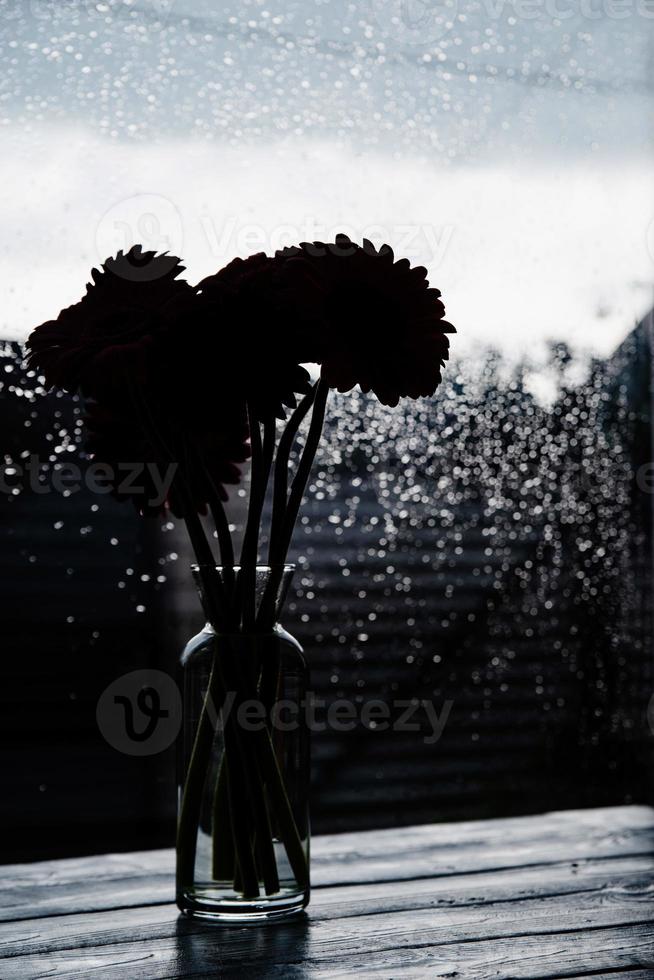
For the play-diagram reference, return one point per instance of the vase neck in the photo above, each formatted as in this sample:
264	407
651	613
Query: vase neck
234	579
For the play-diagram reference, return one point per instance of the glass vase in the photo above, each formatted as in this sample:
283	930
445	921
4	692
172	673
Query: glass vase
243	787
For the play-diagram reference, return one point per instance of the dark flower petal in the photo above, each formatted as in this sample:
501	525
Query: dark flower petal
124	303
244	319
121	344
372	321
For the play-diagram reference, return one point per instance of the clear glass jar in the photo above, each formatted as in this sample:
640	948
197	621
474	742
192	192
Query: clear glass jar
243	787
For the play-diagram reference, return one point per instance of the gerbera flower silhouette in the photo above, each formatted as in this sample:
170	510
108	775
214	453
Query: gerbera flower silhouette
91	344
117	347
245	332
375	321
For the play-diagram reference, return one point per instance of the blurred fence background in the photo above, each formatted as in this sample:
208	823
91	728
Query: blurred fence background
491	548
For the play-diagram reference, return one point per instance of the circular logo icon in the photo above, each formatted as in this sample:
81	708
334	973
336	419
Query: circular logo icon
149	220
650	239
140	713
415	21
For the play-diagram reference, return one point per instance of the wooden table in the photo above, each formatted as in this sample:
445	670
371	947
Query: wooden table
567	894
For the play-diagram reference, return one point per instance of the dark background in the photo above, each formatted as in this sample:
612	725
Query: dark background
489	548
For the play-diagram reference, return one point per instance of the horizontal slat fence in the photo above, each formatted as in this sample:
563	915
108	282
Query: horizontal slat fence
486	589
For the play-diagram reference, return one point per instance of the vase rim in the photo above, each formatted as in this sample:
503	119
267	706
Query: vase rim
196	566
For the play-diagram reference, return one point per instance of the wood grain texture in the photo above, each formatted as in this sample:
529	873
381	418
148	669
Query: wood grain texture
565	894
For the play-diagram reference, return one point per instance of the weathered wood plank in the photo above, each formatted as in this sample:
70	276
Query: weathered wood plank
566	824
587	885
292	951
121	880
618	974
562	895
518	958
333	934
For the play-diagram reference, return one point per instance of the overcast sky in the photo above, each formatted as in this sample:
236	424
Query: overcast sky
506	150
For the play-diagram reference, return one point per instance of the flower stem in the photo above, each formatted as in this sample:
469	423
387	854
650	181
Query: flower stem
265	762
223	867
241	798
189	814
304	468
223	532
270	772
280	485
234	667
262	456
242	808
226	556
267	609
212	586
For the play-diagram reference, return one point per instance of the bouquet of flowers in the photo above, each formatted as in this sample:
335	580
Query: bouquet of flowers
201	379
